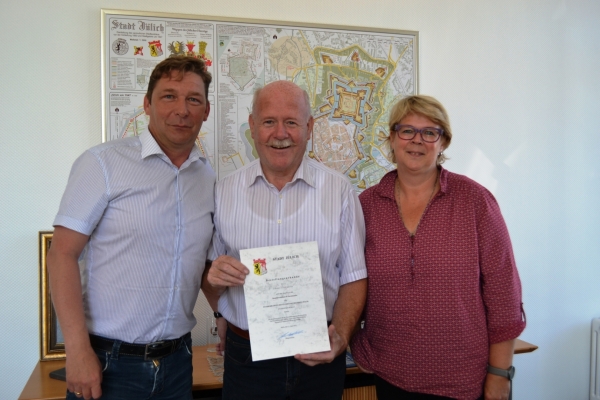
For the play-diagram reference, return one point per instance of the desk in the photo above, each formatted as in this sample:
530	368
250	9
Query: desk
41	387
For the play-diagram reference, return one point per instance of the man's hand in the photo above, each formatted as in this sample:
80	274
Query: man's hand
338	346
346	312
221	331
496	387
226	271
84	374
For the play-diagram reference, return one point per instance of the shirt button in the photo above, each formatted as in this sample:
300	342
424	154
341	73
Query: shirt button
278	221
281	196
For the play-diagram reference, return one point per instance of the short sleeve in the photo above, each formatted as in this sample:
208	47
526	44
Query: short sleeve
217	246
85	197
352	257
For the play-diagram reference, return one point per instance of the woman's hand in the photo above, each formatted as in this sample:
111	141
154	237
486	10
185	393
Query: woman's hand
496	387
501	354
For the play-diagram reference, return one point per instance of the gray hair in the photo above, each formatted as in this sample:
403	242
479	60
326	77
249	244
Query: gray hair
259	90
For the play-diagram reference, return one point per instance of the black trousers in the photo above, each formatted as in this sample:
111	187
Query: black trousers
387	391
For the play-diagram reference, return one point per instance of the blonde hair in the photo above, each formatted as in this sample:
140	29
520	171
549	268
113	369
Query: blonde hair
429	108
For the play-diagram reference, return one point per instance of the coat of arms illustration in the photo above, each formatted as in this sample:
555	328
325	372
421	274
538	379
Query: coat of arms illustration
260	266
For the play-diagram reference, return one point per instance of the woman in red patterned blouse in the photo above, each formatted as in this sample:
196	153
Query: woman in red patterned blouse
444	298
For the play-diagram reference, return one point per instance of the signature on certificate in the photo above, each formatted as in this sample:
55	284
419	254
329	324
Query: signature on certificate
288	335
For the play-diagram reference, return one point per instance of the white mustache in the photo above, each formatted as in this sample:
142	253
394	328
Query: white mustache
280	144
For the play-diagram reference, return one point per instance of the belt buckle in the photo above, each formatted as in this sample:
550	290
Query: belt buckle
156	346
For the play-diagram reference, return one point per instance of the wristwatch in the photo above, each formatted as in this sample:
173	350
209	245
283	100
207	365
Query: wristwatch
217	314
507	373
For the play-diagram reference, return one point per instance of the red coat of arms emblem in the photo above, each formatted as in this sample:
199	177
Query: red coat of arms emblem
260	266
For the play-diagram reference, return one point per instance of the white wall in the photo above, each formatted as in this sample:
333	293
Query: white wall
519	78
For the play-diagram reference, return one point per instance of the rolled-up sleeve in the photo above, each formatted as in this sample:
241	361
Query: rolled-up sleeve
501	286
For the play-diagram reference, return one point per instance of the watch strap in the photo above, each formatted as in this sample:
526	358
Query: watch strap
507	373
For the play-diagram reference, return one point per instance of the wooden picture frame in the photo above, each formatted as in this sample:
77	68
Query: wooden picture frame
52	346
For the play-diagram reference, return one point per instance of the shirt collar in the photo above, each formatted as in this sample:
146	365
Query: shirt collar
150	147
385	188
443	180
304	173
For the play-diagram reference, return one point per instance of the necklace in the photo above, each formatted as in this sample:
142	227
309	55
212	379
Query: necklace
397	193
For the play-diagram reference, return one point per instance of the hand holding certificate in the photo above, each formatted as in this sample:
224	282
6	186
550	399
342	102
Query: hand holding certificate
284	301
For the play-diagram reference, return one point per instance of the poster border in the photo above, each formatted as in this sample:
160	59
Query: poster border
105	13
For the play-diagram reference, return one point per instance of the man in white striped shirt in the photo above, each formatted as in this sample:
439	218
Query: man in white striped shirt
139	212
286	198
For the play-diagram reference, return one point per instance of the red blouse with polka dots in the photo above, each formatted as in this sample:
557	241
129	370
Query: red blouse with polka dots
438	299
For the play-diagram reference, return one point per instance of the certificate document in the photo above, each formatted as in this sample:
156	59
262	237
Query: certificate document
284	300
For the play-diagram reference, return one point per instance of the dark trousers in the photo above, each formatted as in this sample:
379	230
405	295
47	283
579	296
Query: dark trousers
133	378
280	378
387	391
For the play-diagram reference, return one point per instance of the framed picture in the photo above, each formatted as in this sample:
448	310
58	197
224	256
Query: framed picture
52	346
352	75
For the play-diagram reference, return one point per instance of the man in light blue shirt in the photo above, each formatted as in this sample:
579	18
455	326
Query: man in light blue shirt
286	198
138	213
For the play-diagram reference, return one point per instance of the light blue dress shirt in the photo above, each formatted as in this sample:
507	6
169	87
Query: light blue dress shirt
150	225
319	205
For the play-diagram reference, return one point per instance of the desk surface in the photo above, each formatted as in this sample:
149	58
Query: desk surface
522	346
41	387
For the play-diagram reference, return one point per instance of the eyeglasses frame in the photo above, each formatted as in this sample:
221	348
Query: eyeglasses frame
396	129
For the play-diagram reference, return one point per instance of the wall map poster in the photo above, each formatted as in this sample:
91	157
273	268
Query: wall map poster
353	77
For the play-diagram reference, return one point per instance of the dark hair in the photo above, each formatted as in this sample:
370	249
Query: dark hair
181	64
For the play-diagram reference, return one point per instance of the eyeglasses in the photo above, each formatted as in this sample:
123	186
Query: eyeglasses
408	132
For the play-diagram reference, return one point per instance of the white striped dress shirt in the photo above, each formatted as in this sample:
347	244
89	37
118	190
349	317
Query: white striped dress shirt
150	226
319	205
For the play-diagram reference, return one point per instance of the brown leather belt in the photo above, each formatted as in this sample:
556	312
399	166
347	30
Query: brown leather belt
238	331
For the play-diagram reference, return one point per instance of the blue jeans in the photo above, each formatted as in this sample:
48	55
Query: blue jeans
280	378
133	378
